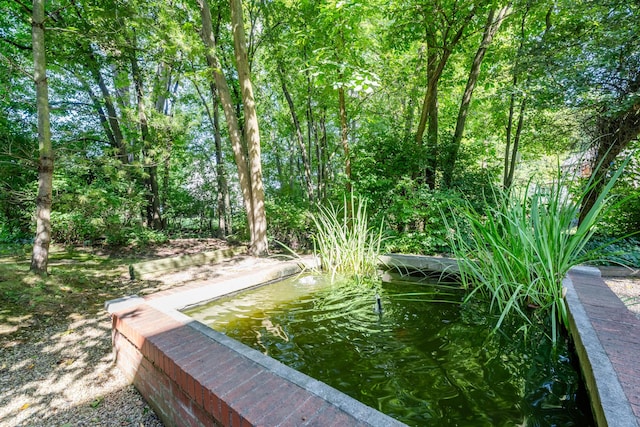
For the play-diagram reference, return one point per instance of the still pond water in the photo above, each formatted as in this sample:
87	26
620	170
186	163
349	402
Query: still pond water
425	359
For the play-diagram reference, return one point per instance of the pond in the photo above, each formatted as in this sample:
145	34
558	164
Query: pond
410	350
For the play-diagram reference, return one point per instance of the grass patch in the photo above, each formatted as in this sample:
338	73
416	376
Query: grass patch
78	282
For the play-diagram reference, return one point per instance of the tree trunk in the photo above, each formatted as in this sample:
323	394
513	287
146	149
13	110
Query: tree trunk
511	154
429	116
344	137
104	121
223	199
154	216
40	254
259	244
224	202
491	28
437	58
229	111
323	157
112	115
299	138
432	138
613	135
512	158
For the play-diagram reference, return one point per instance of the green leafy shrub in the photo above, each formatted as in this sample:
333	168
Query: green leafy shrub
415	221
289	223
616	251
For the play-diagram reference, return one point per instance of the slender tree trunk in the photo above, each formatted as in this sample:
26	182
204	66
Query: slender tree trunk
223	199
432	142
437	58
507	149
344	136
40	254
511	153
429	116
491	28
104	121
299	138
259	243
112	115
154	217
511	170
323	158
224	209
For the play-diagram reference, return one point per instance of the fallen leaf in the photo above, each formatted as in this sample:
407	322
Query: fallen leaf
25	406
97	402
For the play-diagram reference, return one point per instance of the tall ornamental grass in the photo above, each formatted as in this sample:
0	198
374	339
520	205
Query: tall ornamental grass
345	242
517	252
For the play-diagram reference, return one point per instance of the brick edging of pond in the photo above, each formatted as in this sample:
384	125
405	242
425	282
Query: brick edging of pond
194	376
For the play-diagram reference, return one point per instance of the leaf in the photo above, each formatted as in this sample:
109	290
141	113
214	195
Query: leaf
97	402
25	406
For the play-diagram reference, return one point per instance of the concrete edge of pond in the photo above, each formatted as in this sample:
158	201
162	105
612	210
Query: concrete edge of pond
609	403
146	344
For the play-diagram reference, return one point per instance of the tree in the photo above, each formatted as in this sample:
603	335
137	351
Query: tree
494	20
40	254
593	57
444	27
249	170
259	244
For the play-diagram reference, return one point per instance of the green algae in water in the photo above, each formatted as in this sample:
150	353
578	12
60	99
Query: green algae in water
426	360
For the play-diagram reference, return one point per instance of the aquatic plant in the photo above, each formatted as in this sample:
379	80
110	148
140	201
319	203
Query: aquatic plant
517	251
345	242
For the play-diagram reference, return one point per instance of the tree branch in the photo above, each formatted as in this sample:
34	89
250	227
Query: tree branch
24	7
16	66
15	44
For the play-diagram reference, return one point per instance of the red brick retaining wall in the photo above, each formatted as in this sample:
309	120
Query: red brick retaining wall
191	379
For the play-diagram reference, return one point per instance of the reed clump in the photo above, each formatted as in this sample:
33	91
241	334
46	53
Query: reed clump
346	243
517	251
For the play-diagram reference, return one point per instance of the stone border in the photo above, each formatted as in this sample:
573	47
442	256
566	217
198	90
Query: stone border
144	269
608	401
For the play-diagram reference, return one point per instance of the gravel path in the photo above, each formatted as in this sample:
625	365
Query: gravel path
63	375
628	290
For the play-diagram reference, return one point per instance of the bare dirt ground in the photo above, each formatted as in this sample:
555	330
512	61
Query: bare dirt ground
174	247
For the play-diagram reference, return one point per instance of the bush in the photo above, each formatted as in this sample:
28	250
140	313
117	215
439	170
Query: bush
415	220
616	251
289	223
